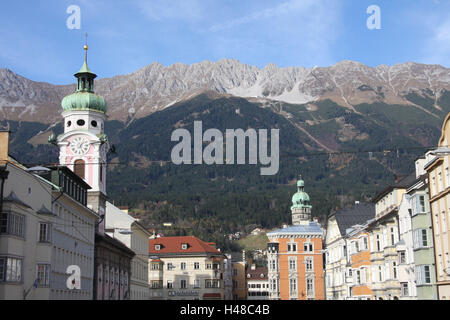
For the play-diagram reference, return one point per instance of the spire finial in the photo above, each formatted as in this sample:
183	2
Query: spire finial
85	47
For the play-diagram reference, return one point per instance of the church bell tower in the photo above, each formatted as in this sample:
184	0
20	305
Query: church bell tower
83	145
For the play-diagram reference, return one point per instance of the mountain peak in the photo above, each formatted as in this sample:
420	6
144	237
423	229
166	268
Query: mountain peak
155	87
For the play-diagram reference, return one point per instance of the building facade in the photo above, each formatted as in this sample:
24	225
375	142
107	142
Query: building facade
82	148
359	271
135	236
338	271
439	191
185	268
25	261
238	276
384	236
46	227
257	283
294	254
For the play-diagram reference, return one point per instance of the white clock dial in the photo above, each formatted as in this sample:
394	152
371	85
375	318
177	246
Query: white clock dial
79	145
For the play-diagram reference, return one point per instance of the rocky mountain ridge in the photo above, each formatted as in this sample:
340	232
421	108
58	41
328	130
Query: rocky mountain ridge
156	87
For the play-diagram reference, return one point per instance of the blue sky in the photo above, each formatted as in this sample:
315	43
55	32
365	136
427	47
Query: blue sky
126	35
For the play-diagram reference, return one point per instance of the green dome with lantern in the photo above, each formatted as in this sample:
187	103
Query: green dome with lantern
300	199
84	98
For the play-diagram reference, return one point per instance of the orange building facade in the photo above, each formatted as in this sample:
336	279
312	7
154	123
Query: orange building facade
295	259
360	269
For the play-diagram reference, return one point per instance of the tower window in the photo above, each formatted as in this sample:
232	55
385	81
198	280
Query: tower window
94	123
69	123
80	122
79	168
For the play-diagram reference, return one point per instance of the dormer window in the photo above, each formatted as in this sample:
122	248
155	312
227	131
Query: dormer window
157	247
184	246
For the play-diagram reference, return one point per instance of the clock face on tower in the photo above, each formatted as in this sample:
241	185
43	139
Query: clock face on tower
79	145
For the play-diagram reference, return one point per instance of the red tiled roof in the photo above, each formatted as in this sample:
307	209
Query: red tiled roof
173	245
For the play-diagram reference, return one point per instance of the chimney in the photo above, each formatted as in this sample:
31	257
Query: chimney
4	145
253	267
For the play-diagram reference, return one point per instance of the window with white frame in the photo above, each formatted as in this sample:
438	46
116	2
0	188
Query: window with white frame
380	274
358	277
308	247
394	269
401	257
392	235
292	263
274	264
44	232
365	243
378	242
349	273
292	246
274	284
197	266
421	204
10	269
420	238
309	263
12	224
43	275
183	266
423	274
293	285
405	289
197	283
364	276
309	286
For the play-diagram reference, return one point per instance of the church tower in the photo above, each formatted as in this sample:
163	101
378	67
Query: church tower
301	207
83	145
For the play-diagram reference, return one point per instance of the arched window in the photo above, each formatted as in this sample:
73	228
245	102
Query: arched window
79	168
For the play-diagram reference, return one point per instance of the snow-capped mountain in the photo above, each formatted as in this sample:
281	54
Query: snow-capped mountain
156	87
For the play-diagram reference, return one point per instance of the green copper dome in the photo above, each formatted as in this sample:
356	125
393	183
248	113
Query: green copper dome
300	199
84	101
84	98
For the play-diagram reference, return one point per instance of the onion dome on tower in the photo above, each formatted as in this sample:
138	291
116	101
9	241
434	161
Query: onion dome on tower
84	98
301	207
